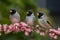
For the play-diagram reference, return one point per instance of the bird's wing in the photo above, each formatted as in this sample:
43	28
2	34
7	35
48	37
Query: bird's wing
48	21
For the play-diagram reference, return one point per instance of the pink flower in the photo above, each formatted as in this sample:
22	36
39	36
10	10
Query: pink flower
51	35
53	30
23	28
8	31
10	27
15	29
28	29
5	26
55	37
38	31
26	33
58	32
23	24
42	33
59	29
16	24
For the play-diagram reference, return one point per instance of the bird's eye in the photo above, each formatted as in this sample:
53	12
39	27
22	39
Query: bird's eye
37	14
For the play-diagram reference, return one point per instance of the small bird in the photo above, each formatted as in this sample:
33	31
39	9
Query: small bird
14	16
30	18
42	20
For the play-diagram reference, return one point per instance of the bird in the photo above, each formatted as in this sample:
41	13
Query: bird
42	20
14	16
30	17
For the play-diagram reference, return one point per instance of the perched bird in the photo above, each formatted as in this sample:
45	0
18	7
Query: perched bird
14	16
30	18
42	20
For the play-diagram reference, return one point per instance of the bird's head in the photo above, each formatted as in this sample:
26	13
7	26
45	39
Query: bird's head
12	11
39	14
29	12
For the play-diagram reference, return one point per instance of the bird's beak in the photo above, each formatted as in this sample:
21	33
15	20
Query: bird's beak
10	10
37	14
27	12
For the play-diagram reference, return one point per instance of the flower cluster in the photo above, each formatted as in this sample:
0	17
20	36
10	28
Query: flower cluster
23	27
39	30
53	33
17	27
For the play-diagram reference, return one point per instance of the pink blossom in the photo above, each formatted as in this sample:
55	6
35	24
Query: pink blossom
16	24
53	30
55	37
23	28
59	29
51	35
23	24
8	31
28	29
42	33
58	32
10	27
26	33
5	27
37	31
15	29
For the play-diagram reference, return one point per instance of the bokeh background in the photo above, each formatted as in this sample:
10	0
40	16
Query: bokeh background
50	7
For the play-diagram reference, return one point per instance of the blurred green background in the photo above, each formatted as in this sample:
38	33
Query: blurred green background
21	6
